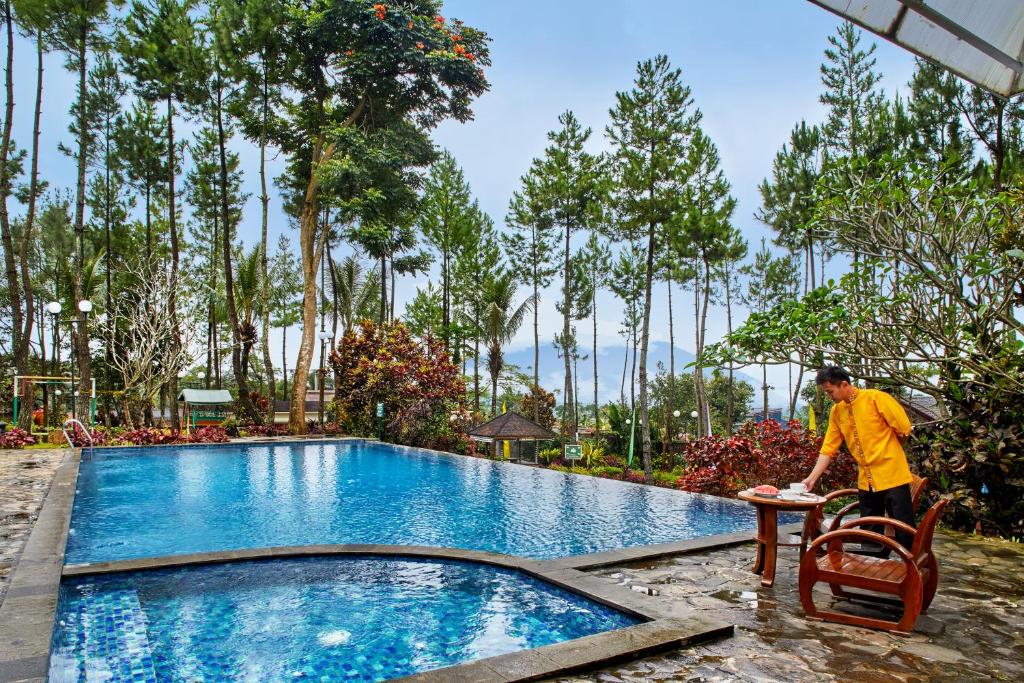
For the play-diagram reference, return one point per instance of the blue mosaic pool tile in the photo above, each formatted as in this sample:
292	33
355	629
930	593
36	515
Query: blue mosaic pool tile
307	619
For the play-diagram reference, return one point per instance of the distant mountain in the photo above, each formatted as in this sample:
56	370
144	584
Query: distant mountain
610	361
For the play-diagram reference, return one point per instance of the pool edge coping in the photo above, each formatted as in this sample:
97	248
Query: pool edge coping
30	602
661	629
29	607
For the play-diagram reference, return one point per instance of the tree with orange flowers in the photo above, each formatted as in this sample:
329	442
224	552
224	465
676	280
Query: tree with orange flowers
358	75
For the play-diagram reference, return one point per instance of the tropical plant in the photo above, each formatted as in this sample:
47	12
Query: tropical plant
500	321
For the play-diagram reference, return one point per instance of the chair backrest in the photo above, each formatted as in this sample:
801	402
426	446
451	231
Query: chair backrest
917	487
926	529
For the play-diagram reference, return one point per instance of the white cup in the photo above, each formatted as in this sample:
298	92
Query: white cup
797	488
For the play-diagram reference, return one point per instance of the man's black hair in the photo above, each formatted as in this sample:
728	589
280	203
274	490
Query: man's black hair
833	374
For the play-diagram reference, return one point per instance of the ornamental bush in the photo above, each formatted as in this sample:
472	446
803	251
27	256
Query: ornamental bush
762	453
16	438
420	388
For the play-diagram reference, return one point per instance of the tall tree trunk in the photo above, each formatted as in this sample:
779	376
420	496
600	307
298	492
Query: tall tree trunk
284	361
11	265
597	409
391	314
764	388
310	246
568	413
383	289
645	434
82	338
698	428
244	398
108	255
536	342
730	411
268	363
211	350
669	404
625	366
705	405
476	361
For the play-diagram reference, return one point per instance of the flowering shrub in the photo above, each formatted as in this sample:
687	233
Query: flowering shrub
420	387
761	453
16	438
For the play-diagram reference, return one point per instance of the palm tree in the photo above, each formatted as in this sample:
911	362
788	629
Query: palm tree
500	321
357	291
248	299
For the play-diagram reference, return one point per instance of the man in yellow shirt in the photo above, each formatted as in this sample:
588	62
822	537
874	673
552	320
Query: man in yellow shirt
874	426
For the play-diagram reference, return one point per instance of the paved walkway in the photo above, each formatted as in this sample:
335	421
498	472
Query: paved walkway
25	477
974	630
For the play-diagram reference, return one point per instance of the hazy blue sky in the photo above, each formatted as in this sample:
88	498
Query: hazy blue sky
753	67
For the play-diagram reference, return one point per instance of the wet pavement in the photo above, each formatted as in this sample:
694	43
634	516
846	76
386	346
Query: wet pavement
25	477
974	629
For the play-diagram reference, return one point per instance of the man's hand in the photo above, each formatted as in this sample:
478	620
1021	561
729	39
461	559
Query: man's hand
809	482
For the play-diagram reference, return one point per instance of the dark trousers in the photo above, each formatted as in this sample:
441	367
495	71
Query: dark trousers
893	503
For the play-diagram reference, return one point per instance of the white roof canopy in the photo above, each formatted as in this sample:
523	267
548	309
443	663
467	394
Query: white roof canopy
980	40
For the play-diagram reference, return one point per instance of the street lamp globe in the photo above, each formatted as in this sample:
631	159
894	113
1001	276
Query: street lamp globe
322	335
675	413
54	308
85	306
57	392
694	414
201	375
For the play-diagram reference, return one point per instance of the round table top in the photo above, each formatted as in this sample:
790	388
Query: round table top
749	496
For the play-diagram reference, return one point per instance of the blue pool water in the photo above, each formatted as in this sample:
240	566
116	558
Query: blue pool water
143	502
321	619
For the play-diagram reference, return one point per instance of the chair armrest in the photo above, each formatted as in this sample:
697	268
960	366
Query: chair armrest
843	511
843	535
895	523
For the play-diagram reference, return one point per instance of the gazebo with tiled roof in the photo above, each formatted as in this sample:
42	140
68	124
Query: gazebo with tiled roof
512	426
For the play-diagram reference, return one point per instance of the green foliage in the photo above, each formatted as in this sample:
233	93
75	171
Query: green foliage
419	386
547	455
608	472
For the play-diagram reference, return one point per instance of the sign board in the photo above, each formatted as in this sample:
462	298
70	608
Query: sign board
380	410
203	417
573	451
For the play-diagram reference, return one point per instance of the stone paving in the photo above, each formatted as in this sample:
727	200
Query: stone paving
25	477
974	629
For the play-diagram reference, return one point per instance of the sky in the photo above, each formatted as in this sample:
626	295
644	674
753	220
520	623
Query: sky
753	68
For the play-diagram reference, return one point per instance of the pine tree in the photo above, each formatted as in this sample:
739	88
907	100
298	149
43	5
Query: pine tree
444	218
650	131
535	245
254	49
851	92
161	51
572	191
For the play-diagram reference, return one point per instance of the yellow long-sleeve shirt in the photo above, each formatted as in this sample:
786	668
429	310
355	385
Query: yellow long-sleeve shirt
871	425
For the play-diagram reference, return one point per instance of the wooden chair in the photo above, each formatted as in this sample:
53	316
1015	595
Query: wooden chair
816	524
912	578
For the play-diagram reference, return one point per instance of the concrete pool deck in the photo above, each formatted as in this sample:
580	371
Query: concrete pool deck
691	591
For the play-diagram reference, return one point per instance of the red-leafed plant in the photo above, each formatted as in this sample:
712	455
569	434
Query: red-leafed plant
762	453
208	435
16	438
265	430
80	440
417	383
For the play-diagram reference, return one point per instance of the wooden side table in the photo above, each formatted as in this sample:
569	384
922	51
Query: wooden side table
768	530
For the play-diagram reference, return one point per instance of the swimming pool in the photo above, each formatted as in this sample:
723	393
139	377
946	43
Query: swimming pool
322	619
147	502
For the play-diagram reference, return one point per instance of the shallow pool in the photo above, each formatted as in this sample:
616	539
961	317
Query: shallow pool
145	502
322	619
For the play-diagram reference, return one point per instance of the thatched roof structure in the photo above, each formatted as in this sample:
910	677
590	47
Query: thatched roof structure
512	426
